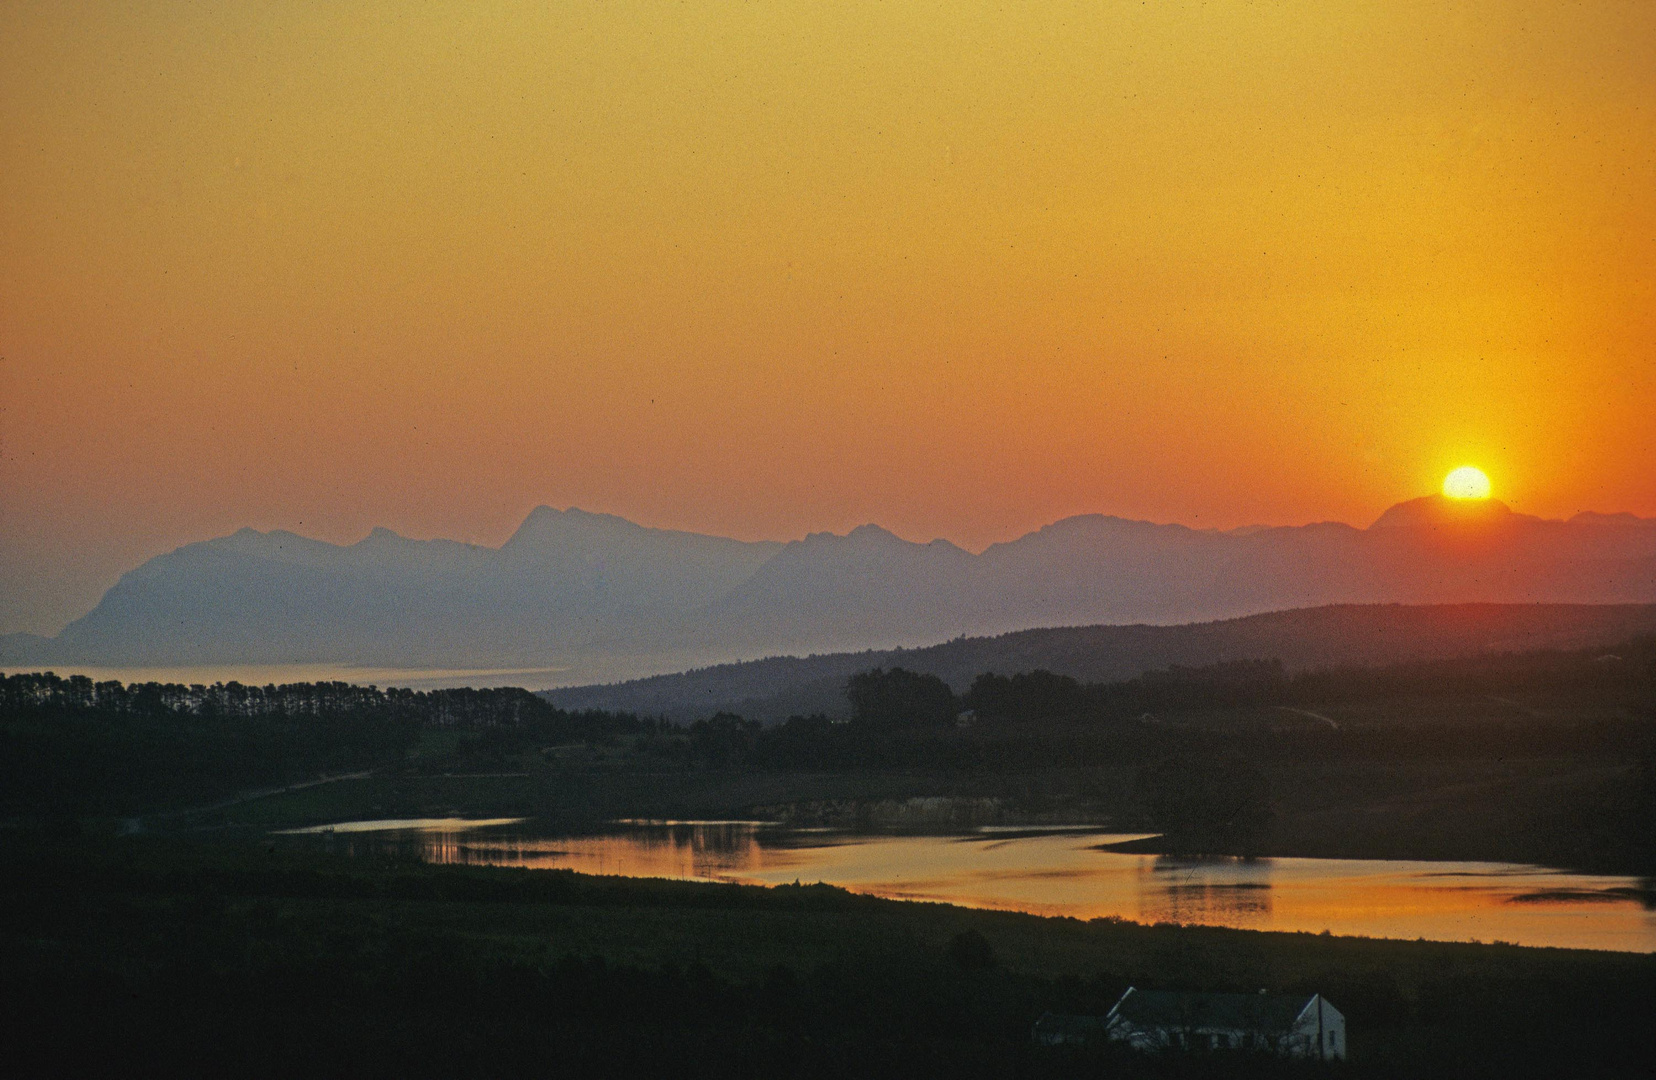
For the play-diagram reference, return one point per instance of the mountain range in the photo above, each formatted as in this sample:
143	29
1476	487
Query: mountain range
604	598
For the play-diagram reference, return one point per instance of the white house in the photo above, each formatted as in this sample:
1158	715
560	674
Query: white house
1289	1025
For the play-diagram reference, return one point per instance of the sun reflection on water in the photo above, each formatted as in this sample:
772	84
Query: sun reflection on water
1071	873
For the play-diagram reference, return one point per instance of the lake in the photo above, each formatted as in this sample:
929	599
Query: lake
1063	871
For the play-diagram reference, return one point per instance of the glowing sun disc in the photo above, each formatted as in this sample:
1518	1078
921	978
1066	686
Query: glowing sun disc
1466	482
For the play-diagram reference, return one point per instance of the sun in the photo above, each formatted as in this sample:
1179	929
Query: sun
1466	482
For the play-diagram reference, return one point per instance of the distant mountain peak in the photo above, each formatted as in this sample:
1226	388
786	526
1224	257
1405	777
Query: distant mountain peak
1439	511
1094	523
1592	517
874	533
546	522
544	515
247	538
869	535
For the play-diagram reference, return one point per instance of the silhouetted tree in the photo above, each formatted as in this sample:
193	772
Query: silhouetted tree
724	738
899	698
1027	695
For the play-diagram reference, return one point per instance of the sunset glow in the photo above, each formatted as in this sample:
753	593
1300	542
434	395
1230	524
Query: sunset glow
648	537
960	269
1466	482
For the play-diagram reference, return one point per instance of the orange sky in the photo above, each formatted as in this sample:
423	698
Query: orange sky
960	268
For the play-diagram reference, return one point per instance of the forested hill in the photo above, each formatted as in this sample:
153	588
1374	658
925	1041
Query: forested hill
1307	638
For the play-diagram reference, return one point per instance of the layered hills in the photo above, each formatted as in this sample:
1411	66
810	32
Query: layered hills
606	598
1335	636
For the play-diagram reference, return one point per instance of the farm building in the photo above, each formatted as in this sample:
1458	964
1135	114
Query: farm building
1290	1025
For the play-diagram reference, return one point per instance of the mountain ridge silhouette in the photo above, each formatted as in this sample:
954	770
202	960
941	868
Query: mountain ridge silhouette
605	596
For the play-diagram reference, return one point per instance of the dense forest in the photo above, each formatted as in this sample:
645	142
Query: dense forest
71	746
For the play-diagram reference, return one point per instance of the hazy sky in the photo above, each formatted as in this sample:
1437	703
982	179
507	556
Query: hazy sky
769	267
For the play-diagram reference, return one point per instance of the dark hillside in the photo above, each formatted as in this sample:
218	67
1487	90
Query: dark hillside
1346	635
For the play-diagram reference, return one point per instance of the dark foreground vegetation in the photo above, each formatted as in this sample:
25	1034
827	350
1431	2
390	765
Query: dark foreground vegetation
148	956
197	947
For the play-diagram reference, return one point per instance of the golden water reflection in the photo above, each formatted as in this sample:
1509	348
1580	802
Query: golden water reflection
1066	873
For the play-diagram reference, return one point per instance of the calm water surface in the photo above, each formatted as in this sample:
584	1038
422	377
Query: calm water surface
1063	872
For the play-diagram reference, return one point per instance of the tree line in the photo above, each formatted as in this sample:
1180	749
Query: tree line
898	698
50	695
87	747
71	746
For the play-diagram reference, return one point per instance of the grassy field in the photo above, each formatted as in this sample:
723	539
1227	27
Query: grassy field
187	956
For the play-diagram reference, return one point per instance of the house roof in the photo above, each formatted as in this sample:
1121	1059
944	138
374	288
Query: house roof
1177	1008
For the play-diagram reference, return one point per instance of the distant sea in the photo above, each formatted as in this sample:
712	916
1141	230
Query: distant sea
534	678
